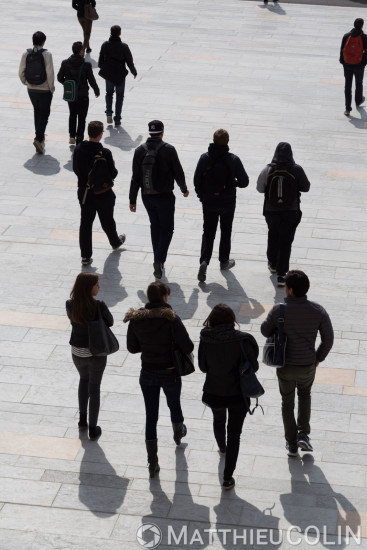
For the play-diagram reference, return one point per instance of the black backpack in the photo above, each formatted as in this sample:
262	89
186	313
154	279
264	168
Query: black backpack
281	189
149	169
99	179
216	178
35	68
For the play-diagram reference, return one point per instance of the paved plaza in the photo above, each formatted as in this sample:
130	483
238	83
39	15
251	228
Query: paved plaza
266	74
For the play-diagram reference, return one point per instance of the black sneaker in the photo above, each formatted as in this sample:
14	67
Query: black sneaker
271	268
88	50
87	261
292	451
117	124
202	272
304	443
229	484
280	281
122	239
347	112
157	270
95	433
227	265
223	450
363	100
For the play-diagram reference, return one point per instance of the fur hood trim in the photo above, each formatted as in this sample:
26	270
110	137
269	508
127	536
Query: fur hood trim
154	313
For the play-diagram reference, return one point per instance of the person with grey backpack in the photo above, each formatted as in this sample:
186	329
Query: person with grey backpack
76	75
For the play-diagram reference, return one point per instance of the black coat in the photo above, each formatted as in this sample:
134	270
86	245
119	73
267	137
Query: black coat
220	356
168	166
113	58
83	158
152	331
79	333
79	6
238	175
354	32
70	70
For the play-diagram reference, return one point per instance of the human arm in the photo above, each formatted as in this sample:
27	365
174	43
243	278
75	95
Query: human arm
49	71
242	179
110	163
269	326
201	357
327	338
129	60
91	79
178	172
106	314
132	342
302	180
198	175
181	337
75	4
262	180
61	74
344	40
101	57
135	182
21	72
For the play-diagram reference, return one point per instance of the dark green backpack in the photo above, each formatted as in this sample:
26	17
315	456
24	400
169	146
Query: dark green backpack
71	87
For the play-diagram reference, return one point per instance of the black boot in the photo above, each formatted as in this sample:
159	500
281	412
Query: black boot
179	431
82	424
152	449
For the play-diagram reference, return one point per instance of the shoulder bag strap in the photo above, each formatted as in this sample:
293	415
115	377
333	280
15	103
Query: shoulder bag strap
281	320
80	72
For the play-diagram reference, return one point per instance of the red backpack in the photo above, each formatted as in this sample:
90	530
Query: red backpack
353	50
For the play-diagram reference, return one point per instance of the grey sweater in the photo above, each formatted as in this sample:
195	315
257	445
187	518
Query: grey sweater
302	322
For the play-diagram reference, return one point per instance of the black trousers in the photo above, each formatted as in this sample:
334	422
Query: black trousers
41	102
281	230
103	205
349	72
290	378
161	212
90	371
78	113
212	214
236	417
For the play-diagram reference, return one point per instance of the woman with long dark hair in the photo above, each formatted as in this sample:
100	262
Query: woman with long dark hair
82	308
153	331
220	352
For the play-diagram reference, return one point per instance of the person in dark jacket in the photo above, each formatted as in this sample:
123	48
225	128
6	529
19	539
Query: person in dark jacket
76	68
85	23
284	215
353	66
303	321
82	308
153	331
113	58
156	166
91	204
216	177
221	349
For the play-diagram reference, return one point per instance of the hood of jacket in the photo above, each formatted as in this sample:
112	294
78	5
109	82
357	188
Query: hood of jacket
114	39
150	311
356	32
90	147
217	151
221	333
283	154
76	60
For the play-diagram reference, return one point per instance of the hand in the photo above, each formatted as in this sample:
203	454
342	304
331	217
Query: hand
186	194
132	207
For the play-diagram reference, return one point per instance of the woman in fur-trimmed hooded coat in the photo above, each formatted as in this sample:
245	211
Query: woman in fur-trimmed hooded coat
153	331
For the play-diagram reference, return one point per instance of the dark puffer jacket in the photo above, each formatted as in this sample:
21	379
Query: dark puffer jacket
70	70
152	331
303	320
83	159
79	333
219	357
113	58
237	174
354	32
283	159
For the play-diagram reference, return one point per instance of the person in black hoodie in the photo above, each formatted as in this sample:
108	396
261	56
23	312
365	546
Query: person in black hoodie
153	331
282	181
113	58
82	308
91	204
216	177
156	166
76	68
221	349
85	23
353	57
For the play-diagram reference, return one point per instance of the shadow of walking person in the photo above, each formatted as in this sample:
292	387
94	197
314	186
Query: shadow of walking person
111	290
101	490
119	137
324	514
185	310
43	165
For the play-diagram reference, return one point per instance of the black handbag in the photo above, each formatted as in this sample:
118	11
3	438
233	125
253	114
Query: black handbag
90	12
102	340
250	386
183	362
275	345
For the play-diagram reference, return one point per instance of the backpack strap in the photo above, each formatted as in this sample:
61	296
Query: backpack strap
87	188
159	146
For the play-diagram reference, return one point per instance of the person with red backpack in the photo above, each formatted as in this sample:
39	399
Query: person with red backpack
282	181
353	57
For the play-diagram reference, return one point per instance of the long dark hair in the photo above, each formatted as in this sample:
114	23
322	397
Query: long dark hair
83	303
221	314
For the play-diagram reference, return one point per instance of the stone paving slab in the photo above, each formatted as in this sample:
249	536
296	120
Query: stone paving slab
266	74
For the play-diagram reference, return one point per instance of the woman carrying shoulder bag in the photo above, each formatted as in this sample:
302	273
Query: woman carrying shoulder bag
221	350
153	331
82	308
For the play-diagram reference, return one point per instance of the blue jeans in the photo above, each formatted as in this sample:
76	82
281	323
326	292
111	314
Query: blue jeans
151	384
161	212
41	102
110	90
